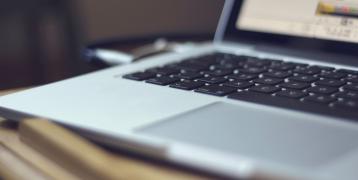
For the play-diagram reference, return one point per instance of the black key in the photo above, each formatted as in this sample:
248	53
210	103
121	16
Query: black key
257	62
189	75
333	75
346	104
268	81
304	78
212	58
291	94
283	66
233	60
347	95
307	70
218	72
291	103
295	85
224	56
252	70
189	66
226	66
322	90
260	98
278	74
353	87
238	84
243	77
213	80
162	80
299	65
320	99
204	61
264	89
352	78
164	70
199	62
347	71
215	90
324	68
187	85
140	76
330	82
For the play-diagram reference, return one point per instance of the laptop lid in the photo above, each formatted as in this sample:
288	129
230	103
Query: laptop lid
325	30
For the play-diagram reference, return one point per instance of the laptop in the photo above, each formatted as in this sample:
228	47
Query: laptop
275	96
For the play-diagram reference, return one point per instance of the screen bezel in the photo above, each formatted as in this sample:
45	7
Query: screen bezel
231	33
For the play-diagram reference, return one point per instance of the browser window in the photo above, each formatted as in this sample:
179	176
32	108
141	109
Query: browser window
323	19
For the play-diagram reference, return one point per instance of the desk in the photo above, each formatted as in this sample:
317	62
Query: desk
20	161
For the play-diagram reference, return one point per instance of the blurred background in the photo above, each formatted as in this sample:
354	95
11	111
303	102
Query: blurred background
41	39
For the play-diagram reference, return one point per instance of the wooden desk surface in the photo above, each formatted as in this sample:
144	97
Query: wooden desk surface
18	160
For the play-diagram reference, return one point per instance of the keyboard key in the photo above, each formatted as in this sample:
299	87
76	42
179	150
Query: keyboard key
164	70
299	65
252	70
347	71
218	72
238	84
216	90
333	75
304	78
291	94
322	90
346	104
213	80
268	81
227	66
257	62
204	61
198	61
278	74
189	66
324	68
189	75
187	85
235	61
295	85
330	82
307	70
352	78
274	61
353	87
212	58
322	99
140	76
162	80
243	77
347	94
264	89
283	66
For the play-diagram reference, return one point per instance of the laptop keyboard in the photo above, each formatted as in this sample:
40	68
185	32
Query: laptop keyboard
311	88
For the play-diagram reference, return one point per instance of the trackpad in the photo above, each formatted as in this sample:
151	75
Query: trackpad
294	139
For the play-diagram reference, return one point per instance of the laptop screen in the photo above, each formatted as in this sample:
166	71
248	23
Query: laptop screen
322	19
314	26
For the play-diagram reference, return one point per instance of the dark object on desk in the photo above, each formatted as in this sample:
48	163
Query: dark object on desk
127	45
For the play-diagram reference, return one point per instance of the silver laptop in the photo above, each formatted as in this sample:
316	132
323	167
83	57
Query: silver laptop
275	96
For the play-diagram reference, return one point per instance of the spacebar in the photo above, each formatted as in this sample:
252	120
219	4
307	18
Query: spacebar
293	104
